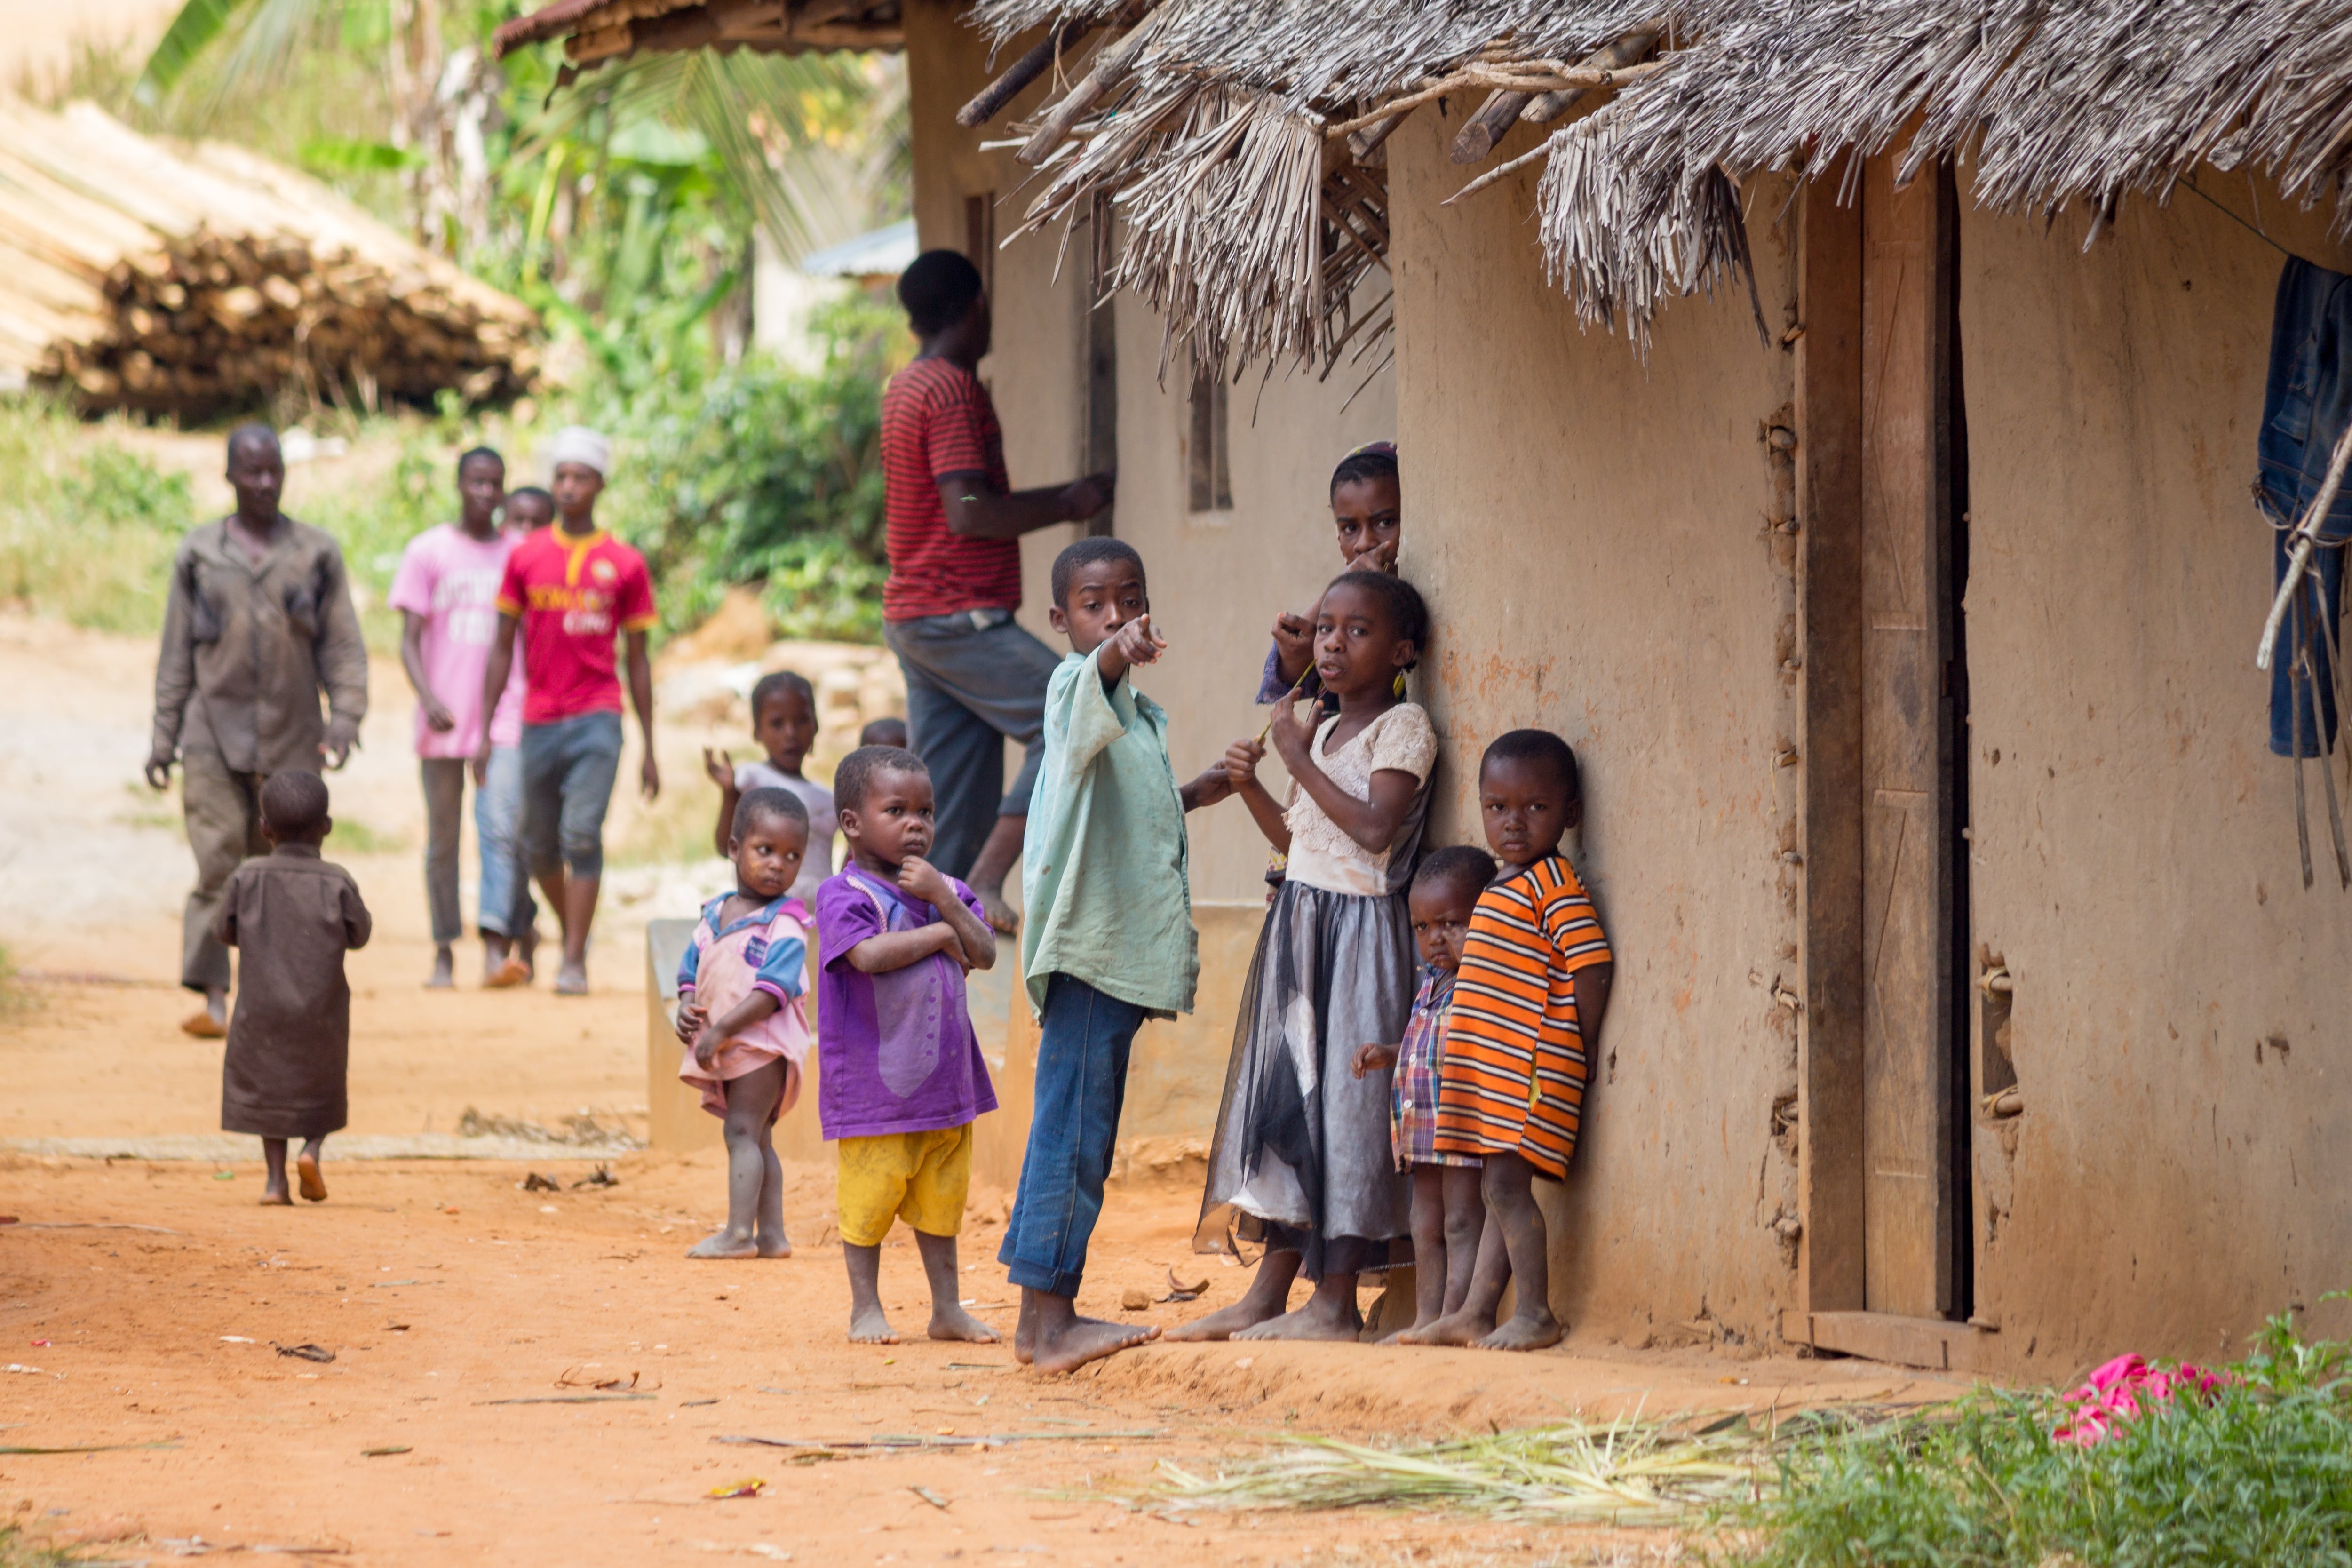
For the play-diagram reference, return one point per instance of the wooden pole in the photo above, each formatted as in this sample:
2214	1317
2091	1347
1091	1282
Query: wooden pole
1496	116
1111	67
1630	49
985	104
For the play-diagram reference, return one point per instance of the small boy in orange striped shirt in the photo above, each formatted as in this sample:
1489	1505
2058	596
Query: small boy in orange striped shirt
1528	1004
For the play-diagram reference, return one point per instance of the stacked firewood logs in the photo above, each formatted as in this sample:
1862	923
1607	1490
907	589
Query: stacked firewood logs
189	282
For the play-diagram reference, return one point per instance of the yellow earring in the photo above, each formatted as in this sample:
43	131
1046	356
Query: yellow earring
1398	686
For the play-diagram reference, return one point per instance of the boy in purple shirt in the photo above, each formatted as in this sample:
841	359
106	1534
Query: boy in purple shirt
900	1077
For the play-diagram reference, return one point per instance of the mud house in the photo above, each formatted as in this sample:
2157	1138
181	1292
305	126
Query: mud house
1837	419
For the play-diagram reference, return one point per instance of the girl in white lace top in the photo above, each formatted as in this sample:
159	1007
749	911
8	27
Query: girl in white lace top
1302	1163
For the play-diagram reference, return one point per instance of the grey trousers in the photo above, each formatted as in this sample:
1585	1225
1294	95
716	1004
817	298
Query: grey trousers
223	809
974	682
507	906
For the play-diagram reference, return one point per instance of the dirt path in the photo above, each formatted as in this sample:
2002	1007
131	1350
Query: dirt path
442	1288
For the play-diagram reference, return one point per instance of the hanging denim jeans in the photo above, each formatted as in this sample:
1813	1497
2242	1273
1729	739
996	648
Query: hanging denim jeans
2305	407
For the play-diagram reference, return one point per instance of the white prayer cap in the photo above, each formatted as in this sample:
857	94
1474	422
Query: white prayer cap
578	444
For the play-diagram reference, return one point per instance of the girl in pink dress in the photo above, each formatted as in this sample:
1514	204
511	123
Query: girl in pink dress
740	1012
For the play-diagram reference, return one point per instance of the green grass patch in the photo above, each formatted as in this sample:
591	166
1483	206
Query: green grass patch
2259	1474
87	529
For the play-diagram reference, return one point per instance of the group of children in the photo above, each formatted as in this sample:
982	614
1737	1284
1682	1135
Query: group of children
1375	1111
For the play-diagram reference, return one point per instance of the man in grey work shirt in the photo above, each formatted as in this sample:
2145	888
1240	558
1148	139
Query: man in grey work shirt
259	622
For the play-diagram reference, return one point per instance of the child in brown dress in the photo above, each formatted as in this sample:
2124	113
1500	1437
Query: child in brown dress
291	916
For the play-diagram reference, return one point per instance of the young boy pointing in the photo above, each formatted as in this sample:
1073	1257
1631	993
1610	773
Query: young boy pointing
1106	938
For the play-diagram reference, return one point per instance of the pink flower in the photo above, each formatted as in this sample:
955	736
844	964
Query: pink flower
2116	1393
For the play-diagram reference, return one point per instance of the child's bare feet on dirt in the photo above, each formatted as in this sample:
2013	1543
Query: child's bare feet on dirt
950	1321
1524	1332
274	1195
314	1185
1314	1320
1226	1322
572	980
444	971
1463	1328
776	1245
725	1244
1087	1339
867	1326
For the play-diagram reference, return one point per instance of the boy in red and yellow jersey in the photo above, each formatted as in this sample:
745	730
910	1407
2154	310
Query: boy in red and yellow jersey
1528	1003
570	588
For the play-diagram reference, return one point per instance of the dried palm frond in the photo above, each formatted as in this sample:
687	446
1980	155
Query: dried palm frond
2052	101
1232	229
1622	245
1623	1473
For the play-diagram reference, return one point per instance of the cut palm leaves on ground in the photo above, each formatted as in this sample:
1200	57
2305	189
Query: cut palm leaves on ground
1627	1472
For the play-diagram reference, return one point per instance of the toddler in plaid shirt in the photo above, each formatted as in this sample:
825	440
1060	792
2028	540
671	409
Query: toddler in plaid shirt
1448	1213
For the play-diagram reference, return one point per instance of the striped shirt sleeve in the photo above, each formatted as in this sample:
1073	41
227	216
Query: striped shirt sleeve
1573	928
955	434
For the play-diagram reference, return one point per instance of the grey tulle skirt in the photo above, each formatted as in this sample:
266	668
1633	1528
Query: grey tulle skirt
1302	1157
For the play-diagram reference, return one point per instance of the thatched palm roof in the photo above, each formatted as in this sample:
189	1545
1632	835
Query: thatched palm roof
2047	104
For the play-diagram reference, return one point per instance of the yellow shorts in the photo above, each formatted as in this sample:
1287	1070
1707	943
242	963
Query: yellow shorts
920	1177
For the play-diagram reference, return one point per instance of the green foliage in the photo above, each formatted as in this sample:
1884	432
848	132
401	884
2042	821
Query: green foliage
354	155
192	31
763	474
2259	1474
87	532
374	523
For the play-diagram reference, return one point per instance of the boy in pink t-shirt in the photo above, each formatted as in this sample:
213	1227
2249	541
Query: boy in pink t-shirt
446	592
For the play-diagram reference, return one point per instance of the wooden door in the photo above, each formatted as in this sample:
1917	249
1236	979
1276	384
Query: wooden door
1910	903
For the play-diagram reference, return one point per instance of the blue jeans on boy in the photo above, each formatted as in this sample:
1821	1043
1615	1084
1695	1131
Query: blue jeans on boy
568	769
507	906
974	680
1081	1085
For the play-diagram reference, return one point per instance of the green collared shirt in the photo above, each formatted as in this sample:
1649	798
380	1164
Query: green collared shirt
1106	898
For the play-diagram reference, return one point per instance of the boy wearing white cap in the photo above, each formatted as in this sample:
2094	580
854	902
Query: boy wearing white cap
568	588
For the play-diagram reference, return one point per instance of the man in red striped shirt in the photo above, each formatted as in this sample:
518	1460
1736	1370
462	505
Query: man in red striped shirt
952	524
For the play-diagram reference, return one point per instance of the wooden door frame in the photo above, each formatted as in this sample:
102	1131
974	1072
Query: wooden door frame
1830	1279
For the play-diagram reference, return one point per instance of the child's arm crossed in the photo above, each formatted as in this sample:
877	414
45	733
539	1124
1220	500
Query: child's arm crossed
975	938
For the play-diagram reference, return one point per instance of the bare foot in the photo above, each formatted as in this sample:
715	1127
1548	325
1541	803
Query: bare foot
1224	1323
1309	1322
1090	1339
1524	1332
274	1195
1463	1328
871	1328
314	1185
724	1244
997	912
203	1026
1024	1330
776	1245
513	973
950	1321
572	980
444	971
